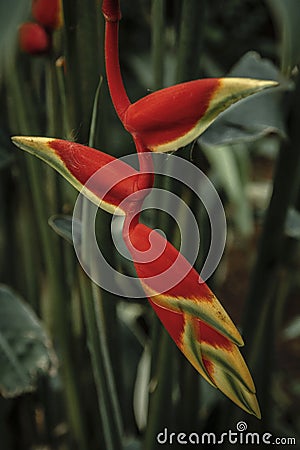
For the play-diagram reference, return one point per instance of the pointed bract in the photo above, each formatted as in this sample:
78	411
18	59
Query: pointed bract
192	315
173	117
114	182
169	279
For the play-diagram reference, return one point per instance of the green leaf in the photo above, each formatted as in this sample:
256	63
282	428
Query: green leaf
66	227
286	15
141	389
225	168
256	116
95	113
25	349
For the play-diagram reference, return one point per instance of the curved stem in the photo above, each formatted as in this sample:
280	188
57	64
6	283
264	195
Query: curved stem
121	102
117	90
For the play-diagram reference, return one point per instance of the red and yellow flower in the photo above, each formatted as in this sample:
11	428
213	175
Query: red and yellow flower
162	121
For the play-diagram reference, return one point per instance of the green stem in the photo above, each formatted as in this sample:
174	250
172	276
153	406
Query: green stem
267	289
96	328
72	62
112	391
160	401
272	239
82	42
30	259
57	315
54	119
90	42
104	402
192	20
158	41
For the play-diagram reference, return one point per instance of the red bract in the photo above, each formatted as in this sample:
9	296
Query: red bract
112	180
169	278
192	315
33	39
173	117
214	356
48	13
163	116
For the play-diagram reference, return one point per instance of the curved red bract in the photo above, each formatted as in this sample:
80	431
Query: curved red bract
114	182
155	273
167	114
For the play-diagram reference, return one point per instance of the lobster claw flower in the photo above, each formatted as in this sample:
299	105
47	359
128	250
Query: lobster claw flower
113	179
173	117
192	315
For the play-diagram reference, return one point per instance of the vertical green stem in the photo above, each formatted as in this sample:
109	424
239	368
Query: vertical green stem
272	238
192	20
58	315
161	397
96	328
90	39
111	431
267	291
73	98
158	42
111	387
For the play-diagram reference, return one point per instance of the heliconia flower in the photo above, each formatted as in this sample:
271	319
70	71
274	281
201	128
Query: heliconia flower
173	117
48	13
192	315
77	163
33	39
163	121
